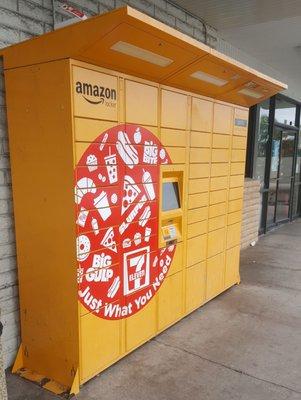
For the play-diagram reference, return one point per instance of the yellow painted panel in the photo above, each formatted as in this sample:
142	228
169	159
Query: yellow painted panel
236	181
197	214
177	154
232	266
141	103
173	137
220	169
235	205
233	235
234	217
220	155
198	185
219	183
201	115
170	300
87	130
216	242
237	168
100	341
219	196
217	223
196	229
200	139
223	119
236	193
195	286
174	109
177	261
87	84
239	142
200	155
197	249
198	200
238	155
199	171
241	115
217	209
220	141
215	275
141	326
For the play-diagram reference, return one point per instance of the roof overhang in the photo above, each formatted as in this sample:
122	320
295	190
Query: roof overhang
129	41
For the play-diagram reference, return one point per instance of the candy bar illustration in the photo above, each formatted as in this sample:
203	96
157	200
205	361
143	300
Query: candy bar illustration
95	227
145	216
84	186
131	191
109	241
132	215
148	185
113	289
82	217
111	163
150	154
126	151
102	204
83	247
103	142
91	162
136	270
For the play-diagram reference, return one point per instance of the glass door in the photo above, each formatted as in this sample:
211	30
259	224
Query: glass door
281	175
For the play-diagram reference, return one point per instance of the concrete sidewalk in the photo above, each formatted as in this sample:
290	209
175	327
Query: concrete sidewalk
243	345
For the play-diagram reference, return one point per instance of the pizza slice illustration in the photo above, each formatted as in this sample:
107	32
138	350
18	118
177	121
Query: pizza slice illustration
131	192
108	240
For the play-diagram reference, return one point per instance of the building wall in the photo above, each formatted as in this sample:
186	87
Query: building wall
251	212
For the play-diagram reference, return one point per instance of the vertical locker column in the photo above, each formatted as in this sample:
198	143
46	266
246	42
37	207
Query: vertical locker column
100	339
141	109
220	171
198	199
173	130
238	153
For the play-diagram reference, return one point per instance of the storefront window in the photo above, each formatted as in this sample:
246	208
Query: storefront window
285	112
262	140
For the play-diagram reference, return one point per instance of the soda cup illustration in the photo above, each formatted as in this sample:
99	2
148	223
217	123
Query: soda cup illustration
111	162
148	185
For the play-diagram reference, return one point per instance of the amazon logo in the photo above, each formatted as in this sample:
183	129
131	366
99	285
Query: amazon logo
95	94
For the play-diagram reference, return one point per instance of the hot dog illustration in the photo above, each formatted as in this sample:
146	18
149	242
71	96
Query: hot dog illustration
126	151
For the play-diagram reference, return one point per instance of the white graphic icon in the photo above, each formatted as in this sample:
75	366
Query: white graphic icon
137	238
162	154
155	261
83	247
126	151
113	289
150	154
114	198
126	243
137	136
132	215
148	185
80	274
82	217
103	142
91	162
95	227
102	204
131	191
102	178
148	232
111	163
84	186
145	216
109	240
136	270
100	271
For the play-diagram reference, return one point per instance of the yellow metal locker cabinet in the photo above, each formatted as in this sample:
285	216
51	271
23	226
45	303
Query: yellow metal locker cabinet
128	144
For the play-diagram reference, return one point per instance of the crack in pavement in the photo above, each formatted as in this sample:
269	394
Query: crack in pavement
226	366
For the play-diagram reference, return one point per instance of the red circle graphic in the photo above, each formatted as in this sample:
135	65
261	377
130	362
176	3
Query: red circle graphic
120	265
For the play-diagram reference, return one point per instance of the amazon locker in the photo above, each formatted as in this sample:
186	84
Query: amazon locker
128	144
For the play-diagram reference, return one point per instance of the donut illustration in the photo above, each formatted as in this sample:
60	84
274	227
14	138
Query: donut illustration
120	265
